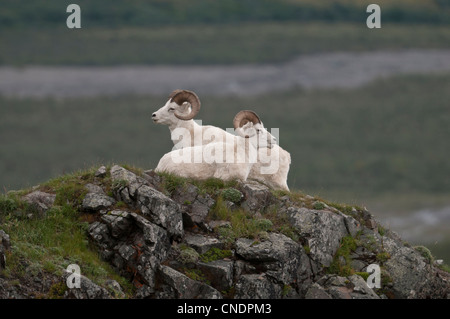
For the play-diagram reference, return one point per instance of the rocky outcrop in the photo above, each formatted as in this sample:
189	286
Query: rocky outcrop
239	241
5	245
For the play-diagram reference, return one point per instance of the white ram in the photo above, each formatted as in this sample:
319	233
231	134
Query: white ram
178	113
228	161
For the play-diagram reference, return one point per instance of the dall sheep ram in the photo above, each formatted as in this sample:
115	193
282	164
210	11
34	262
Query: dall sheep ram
228	161
273	162
178	113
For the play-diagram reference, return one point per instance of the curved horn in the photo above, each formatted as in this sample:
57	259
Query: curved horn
243	117
181	96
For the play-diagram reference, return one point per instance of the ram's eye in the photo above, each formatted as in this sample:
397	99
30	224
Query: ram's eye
171	109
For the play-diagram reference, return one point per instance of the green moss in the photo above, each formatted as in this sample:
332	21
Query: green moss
382	257
307	249
426	253
286	290
215	254
196	274
364	275
318	205
342	261
187	254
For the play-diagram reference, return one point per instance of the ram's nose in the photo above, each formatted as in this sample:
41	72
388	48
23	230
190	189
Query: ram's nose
153	115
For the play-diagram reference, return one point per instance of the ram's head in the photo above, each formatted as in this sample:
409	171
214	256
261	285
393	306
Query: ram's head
182	105
247	124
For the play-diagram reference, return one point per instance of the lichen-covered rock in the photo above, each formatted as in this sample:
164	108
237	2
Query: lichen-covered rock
337	287
5	244
200	209
219	273
412	275
256	196
87	289
173	284
279	257
41	200
323	231
96	202
256	286
315	291
125	180
202	243
100	172
160	210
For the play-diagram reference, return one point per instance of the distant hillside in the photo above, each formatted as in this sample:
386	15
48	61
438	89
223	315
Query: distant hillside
116	13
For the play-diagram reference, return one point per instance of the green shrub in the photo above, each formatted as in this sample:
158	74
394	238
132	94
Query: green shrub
232	195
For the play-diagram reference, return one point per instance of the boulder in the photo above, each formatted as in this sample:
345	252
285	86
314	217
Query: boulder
219	273
256	286
96	201
87	289
322	230
161	210
41	200
256	196
173	284
202	243
5	244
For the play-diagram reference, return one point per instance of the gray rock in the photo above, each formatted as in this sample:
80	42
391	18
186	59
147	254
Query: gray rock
133	182
323	230
174	284
119	223
87	290
279	257
5	244
256	196
42	201
155	239
352	287
99	233
153	178
97	201
219	273
185	194
101	172
5	241
196	213
114	288
202	243
92	188
161	210
256	286
315	291
278	247
214	224
360	288
411	274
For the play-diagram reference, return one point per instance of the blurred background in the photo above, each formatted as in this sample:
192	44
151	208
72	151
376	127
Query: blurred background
365	113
